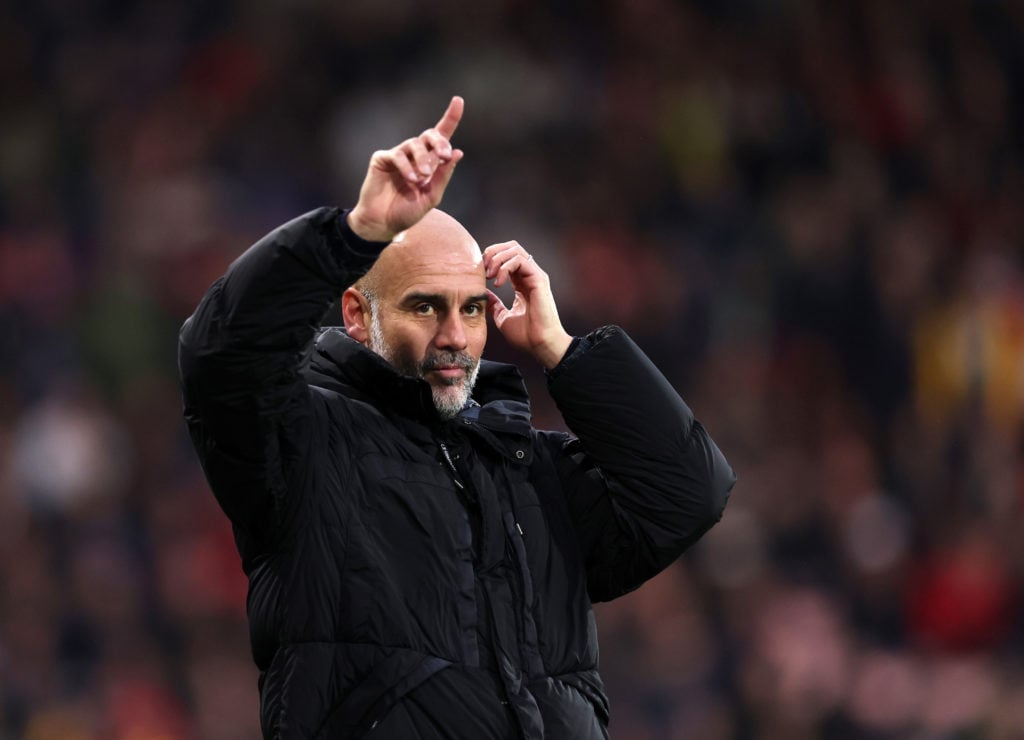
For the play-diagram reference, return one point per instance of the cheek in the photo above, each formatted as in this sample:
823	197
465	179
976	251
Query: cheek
478	340
411	347
407	342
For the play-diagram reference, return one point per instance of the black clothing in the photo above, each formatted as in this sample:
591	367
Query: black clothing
417	577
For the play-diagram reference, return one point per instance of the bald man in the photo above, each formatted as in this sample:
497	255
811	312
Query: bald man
421	560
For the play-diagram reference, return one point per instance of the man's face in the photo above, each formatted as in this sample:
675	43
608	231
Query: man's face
440	342
428	313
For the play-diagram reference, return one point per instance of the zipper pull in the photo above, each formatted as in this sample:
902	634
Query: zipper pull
451	465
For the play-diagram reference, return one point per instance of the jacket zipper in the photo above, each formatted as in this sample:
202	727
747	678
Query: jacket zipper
451	465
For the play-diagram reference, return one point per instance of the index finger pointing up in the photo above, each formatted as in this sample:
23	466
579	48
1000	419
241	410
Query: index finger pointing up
450	120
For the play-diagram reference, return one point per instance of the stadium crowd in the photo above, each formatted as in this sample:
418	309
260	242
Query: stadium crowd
809	212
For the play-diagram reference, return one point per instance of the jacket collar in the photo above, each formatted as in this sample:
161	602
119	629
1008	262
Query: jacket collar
500	403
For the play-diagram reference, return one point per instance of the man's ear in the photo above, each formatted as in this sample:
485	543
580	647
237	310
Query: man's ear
355	310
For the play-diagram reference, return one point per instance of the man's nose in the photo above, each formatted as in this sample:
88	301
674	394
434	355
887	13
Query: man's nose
451	334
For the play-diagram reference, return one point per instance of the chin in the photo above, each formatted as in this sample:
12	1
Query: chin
449	401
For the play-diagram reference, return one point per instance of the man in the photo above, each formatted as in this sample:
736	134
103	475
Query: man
421	561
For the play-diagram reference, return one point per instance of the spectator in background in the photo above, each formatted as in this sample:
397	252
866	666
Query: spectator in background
826	196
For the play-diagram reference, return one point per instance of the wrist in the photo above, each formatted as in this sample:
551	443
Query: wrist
551	351
365	228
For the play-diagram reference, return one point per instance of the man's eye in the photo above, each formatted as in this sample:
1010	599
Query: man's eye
474	309
424	309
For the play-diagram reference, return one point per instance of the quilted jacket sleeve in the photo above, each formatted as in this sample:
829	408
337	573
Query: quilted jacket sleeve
643	479
240	357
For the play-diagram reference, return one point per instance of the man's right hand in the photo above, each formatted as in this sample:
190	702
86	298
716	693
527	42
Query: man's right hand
405	182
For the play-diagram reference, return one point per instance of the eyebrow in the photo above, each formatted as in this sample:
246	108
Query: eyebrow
478	298
439	299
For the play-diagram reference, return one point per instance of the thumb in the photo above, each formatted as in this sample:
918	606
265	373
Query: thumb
498	310
443	173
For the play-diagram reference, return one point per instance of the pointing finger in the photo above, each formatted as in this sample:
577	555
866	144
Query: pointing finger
450	120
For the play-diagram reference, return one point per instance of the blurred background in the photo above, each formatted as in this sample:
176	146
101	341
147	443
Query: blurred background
810	213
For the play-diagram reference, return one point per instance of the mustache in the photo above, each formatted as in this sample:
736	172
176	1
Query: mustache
438	360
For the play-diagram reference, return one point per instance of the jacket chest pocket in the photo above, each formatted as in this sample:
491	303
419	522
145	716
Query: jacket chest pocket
412	504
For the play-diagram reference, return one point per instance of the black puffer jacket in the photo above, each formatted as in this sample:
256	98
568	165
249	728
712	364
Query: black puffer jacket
413	578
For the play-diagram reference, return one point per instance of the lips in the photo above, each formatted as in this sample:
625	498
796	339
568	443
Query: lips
450	372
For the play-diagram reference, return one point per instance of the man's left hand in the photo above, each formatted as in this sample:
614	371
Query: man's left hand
531	324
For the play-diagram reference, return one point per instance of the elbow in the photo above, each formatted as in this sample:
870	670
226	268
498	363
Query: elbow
185	355
722	482
708	506
192	363
717	479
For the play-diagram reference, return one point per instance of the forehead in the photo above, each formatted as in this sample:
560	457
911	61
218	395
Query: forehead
438	257
447	276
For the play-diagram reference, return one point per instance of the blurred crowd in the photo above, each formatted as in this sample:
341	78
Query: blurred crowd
810	213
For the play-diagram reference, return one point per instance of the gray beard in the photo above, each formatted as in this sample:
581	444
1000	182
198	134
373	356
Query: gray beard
449	398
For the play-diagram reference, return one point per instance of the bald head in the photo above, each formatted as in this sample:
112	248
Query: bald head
423	308
437	245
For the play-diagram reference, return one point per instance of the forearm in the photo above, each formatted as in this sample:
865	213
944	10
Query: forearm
240	359
662	483
618	403
274	296
241	353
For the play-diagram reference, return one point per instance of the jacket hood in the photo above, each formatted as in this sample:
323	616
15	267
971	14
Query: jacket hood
500	401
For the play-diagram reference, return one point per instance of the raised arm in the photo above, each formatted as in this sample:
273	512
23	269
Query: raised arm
241	353
643	480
